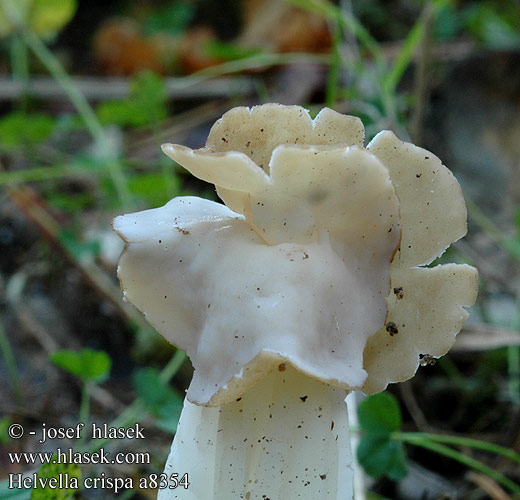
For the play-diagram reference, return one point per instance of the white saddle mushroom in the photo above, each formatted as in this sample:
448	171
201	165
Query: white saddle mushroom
306	286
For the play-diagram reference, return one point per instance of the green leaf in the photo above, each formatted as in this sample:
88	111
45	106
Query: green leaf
493	26
148	93
19	130
162	401
229	51
87	250
381	456
173	18
68	202
517	220
146	104
115	113
447	23
378	453
88	365
154	188
56	471
380	414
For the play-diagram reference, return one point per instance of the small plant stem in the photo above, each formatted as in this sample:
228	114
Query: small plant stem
137	409
465	460
449	367
391	80
412	41
46	173
57	71
489	228
10	363
78	100
129	416
250	63
19	63
84	410
347	22
333	80
412	437
173	366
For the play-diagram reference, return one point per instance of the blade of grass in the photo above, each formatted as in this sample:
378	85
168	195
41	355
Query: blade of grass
19	63
409	46
257	61
350	24
332	89
467	461
409	437
47	173
173	366
137	409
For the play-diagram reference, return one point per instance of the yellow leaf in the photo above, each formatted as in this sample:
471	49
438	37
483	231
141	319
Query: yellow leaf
45	17
48	17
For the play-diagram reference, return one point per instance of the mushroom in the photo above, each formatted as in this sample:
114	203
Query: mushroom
308	284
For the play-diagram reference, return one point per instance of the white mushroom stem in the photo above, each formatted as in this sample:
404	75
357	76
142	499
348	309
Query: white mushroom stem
286	438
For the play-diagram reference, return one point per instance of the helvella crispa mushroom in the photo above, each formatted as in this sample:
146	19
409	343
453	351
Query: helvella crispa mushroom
311	282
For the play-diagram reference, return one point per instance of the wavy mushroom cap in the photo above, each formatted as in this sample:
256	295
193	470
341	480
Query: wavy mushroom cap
298	268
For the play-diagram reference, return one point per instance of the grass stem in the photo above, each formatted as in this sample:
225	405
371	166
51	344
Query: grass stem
173	366
465	460
412	437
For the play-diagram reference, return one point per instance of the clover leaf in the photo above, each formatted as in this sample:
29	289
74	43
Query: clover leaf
88	365
378	453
